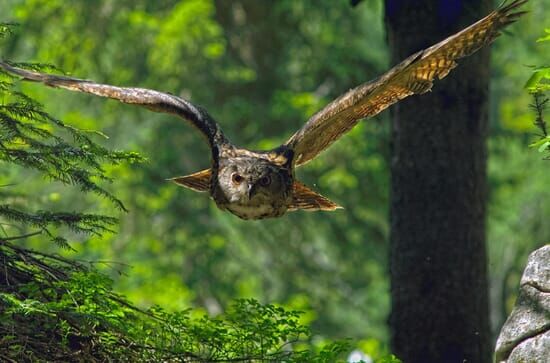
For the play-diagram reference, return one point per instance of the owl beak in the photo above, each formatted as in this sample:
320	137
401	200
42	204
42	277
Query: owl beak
251	191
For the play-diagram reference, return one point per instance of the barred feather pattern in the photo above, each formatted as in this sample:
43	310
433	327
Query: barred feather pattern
414	75
199	181
306	199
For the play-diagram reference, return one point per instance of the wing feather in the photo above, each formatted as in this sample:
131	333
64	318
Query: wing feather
153	100
414	75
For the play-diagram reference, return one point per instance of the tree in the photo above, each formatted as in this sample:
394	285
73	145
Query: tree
438	195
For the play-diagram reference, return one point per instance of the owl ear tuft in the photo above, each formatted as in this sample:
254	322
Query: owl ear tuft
199	181
306	199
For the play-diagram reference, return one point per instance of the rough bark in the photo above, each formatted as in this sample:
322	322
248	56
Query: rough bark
438	194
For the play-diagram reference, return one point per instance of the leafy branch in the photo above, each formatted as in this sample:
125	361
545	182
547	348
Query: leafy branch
55	309
26	140
539	86
34	140
539	105
77	222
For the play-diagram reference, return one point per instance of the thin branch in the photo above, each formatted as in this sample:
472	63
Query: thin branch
22	236
539	105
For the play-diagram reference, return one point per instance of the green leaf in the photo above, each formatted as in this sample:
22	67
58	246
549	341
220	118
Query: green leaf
541	144
534	82
544	146
546	37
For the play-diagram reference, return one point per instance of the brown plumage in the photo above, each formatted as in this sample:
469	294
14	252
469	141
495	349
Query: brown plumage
254	185
414	75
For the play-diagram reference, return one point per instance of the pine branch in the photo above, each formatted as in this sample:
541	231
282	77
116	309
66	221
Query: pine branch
92	224
27	139
58	309
539	105
31	138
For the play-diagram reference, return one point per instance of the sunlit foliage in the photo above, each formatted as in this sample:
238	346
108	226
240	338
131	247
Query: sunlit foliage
261	70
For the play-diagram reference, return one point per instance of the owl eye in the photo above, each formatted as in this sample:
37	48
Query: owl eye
265	181
237	178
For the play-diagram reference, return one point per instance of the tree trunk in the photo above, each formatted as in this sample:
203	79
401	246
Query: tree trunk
438	194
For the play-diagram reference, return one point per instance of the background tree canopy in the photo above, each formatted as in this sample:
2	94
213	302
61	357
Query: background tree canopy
261	69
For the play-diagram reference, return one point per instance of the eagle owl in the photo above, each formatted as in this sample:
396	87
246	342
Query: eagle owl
261	184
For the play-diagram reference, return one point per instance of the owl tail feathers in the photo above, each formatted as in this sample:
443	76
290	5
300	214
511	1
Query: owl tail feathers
306	199
199	181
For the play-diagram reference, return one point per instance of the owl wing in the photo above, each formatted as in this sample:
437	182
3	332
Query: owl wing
412	76
153	100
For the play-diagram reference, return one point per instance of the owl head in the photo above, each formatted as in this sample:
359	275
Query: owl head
254	181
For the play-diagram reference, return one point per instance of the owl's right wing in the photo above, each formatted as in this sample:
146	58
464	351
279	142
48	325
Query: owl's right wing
153	100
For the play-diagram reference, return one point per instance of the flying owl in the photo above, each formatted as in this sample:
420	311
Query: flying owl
262	184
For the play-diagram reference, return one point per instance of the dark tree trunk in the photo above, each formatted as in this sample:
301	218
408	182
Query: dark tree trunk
438	193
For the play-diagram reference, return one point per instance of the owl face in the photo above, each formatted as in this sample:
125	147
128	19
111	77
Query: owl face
253	187
250	180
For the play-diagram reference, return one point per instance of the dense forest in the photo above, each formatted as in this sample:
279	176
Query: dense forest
157	271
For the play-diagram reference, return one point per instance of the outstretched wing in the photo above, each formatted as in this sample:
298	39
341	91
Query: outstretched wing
412	76
153	100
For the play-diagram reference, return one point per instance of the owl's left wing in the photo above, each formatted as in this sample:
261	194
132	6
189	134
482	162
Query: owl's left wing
151	99
412	76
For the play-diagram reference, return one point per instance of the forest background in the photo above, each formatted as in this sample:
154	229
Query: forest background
261	71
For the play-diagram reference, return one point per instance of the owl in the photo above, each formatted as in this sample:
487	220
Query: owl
261	184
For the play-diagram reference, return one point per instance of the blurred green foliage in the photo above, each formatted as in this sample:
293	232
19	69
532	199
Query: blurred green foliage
55	309
261	69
